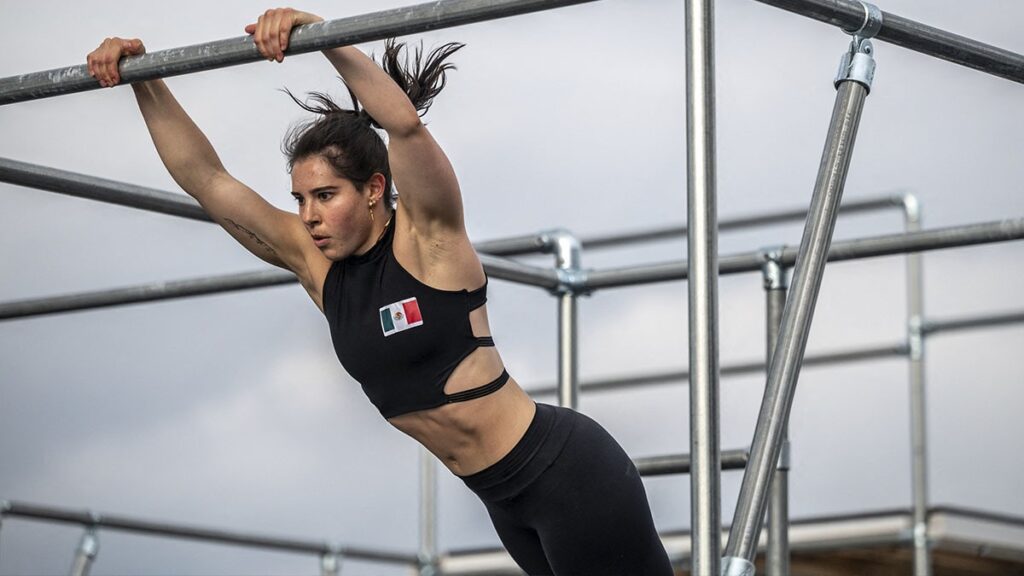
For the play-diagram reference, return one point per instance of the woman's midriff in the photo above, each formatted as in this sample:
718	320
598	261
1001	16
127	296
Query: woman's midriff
467	437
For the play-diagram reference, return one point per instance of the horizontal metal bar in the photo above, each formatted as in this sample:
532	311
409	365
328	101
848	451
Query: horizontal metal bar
145	293
638	275
513	271
849	15
514	246
521	245
509	270
173	204
156	291
680	463
38	512
112	191
308	38
739	369
101	189
937	239
967	323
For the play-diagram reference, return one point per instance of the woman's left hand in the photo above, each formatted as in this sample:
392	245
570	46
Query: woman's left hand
272	29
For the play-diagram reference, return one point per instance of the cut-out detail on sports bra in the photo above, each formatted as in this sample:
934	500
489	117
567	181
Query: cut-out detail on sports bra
402	366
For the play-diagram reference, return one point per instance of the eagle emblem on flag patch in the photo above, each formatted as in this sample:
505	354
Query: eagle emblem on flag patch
400	316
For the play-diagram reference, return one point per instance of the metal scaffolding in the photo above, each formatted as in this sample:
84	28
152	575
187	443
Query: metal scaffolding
88	547
788	320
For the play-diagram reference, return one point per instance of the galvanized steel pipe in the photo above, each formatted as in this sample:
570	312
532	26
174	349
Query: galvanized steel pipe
796	322
918	412
680	463
308	38
100	189
872	247
849	14
777	555
702	240
156	291
97	521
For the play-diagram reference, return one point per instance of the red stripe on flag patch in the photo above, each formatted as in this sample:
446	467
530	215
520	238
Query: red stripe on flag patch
412	311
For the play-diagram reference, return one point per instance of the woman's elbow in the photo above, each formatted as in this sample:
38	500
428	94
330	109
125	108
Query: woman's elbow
405	126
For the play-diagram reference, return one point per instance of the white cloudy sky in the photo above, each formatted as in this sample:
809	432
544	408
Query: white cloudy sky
231	411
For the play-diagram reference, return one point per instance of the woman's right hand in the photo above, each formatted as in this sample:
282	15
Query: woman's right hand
103	61
272	30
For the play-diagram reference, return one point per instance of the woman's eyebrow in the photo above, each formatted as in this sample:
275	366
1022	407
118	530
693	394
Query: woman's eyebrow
316	190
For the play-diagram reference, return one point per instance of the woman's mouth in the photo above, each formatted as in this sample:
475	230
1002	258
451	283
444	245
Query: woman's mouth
320	241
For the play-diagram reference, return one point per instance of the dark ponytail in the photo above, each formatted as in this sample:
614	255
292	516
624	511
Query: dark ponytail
423	80
345	137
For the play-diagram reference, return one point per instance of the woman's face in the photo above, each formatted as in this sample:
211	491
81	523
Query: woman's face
335	212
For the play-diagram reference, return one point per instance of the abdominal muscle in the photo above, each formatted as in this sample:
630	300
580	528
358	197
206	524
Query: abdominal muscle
467	437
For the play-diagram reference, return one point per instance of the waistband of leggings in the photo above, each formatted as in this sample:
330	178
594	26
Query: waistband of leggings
535	452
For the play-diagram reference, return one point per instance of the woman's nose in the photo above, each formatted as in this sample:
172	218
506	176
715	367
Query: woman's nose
308	215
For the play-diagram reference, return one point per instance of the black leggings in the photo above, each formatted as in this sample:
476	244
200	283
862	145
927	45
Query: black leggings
567	500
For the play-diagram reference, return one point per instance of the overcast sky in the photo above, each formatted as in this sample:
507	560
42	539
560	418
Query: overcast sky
232	411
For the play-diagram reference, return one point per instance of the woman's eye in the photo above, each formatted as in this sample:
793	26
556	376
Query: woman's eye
324	196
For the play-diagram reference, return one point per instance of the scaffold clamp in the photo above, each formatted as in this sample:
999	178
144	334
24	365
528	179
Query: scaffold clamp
872	22
772	270
858	63
735	566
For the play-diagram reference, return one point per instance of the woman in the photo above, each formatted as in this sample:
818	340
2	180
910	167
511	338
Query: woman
404	295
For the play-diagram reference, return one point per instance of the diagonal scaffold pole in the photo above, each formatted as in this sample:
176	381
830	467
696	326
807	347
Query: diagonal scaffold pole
856	72
309	38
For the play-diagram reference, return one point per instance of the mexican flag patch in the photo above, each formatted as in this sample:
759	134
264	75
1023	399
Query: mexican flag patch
400	316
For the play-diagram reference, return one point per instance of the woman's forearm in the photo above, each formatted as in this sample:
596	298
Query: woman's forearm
377	92
182	147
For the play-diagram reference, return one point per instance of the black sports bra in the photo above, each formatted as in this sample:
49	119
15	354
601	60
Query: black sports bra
399	338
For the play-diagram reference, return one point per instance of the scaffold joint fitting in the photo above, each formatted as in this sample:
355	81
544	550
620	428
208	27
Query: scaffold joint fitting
330	563
915	337
571	281
857	64
89	545
872	23
734	566
783	463
772	270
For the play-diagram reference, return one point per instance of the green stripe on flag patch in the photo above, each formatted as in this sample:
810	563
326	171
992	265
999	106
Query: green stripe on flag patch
385	320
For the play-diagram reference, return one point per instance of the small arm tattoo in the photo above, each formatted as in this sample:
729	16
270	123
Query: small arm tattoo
253	236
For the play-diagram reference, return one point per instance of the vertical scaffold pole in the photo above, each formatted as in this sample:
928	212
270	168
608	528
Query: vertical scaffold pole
428	514
88	547
918	430
856	72
775	285
567	260
702	287
568	380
